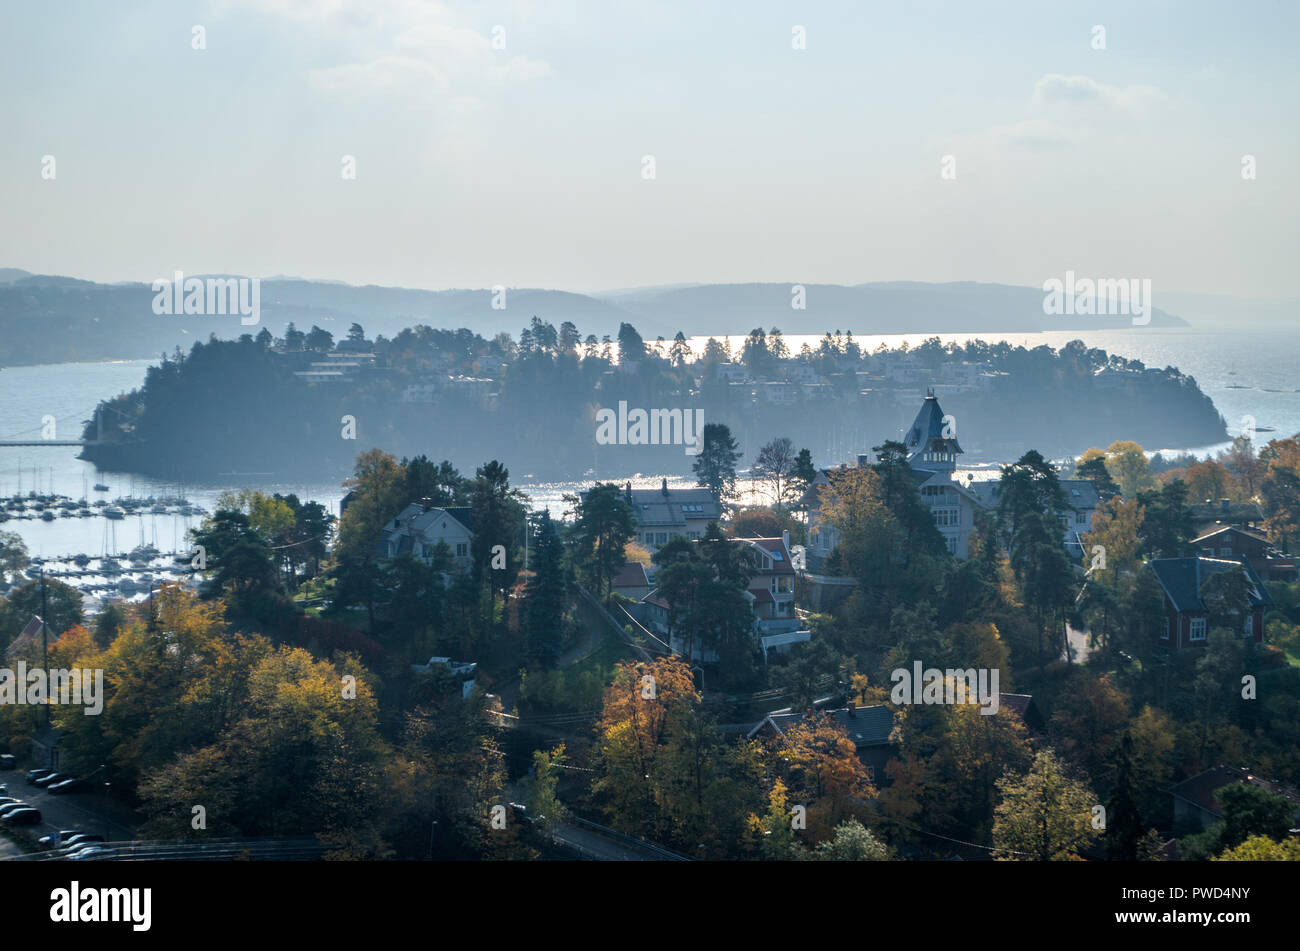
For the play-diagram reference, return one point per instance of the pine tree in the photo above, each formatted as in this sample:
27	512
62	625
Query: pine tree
715	467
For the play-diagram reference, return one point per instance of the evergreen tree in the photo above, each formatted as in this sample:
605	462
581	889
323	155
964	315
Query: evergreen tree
1124	829
715	467
545	592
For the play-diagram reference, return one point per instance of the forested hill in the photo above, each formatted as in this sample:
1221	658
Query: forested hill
57	320
279	405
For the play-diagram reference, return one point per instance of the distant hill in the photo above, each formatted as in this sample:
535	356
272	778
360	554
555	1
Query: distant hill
46	319
892	307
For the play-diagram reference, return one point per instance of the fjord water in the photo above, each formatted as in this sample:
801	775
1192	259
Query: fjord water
1247	373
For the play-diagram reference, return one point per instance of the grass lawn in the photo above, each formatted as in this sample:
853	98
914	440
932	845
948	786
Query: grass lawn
610	652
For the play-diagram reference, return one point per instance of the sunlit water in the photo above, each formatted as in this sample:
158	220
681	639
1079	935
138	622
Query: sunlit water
1245	374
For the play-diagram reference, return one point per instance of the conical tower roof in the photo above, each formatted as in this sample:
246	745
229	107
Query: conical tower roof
930	443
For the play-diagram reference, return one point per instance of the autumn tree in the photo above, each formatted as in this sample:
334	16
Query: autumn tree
378	489
1045	815
1127	462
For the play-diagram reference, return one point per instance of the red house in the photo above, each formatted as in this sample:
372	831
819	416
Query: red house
1236	542
1186	622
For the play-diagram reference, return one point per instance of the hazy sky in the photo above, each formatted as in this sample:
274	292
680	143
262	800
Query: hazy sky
478	166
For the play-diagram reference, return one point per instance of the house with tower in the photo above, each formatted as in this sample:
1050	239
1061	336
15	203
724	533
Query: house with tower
932	454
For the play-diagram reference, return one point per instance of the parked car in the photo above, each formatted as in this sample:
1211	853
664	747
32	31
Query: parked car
49	779
5	799
58	839
90	852
83	838
70	786
12	806
35	774
26	816
8	761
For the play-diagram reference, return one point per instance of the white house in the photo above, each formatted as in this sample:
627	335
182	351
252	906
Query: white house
419	528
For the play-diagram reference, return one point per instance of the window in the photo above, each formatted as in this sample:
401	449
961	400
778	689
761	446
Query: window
1198	629
693	536
462	550
952	544
947	517
1080	518
661	538
1225	552
1164	629
1249	627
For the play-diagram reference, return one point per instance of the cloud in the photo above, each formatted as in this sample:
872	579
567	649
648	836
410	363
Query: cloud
1055	89
401	48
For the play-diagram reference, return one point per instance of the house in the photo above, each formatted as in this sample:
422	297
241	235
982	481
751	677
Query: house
772	585
1186	618
1195	802
1023	706
631	582
664	513
465	672
770	593
732	372
29	636
419	528
932	455
1251	545
868	727
1081	497
1209	515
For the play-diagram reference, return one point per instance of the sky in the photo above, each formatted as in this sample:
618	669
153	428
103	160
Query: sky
506	142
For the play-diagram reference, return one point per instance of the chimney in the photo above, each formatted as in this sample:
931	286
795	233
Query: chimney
629	491
785	539
1224	503
426	503
664	489
862	460
853	709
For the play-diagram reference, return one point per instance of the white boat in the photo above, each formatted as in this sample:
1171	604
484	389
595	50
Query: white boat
114	512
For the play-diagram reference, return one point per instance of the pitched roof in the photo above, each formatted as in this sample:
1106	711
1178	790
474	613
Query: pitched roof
665	506
631	575
1238	529
1200	789
1183	578
26	636
867	726
776	550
